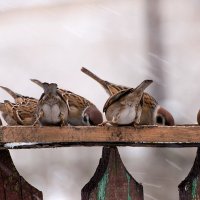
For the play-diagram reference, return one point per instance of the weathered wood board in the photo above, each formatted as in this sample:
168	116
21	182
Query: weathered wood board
153	136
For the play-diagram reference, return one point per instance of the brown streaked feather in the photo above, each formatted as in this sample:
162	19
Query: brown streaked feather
22	114
113	89
116	97
70	97
74	99
9	107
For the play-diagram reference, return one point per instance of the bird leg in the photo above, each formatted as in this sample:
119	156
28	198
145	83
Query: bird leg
62	119
104	123
41	114
135	124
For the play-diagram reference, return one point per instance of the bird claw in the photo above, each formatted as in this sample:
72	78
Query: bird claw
36	123
106	123
135	125
62	120
103	123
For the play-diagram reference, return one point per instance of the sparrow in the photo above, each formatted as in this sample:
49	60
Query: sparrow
124	107
17	114
81	111
52	109
22	112
150	107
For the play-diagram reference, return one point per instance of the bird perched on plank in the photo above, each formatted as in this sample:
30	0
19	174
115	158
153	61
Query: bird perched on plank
17	114
81	111
150	107
124	107
22	112
52	108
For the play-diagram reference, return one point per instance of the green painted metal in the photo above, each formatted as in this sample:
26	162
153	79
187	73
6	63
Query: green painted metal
111	180
194	188
102	187
129	179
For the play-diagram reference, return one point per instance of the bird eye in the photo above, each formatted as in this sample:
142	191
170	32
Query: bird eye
85	118
159	120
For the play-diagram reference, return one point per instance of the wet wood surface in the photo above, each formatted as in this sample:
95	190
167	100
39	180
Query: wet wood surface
153	136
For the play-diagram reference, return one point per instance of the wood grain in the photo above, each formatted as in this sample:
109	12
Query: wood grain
41	137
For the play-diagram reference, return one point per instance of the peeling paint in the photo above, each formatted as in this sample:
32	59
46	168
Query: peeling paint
102	187
194	188
129	179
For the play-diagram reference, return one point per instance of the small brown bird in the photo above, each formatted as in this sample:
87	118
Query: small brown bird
124	107
17	114
81	111
22	112
52	108
150	107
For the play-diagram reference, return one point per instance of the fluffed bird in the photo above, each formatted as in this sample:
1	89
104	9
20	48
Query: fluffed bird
150	107
17	114
52	108
22	112
81	111
124	107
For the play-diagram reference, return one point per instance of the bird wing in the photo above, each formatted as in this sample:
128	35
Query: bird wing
116	97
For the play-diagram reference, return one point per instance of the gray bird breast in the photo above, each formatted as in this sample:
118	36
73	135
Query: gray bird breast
121	114
51	114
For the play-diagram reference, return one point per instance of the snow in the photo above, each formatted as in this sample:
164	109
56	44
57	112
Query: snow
17	144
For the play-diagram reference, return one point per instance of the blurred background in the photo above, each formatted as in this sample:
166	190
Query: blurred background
122	41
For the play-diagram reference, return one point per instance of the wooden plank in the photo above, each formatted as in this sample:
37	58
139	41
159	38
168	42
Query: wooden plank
162	136
189	189
111	180
12	185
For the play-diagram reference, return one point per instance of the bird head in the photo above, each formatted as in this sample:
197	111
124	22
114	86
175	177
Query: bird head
92	116
164	117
